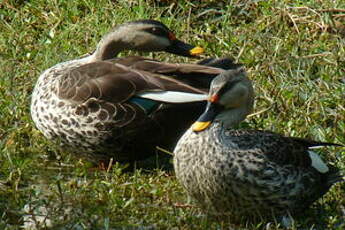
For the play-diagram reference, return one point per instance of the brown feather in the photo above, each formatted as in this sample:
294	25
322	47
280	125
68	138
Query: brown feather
114	83
196	75
141	63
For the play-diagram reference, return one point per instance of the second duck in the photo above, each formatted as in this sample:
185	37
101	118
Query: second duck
247	173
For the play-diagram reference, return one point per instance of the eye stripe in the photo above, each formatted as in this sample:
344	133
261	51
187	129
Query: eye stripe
226	87
157	31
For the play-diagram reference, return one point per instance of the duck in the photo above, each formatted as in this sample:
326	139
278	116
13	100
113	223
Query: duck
244	173
106	107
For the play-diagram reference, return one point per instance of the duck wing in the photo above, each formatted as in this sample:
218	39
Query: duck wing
280	149
130	107
115	83
197	75
178	69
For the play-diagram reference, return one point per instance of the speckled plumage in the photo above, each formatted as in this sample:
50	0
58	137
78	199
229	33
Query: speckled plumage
249	173
102	125
87	104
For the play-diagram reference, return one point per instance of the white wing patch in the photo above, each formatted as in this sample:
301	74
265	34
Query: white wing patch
317	147
317	163
173	96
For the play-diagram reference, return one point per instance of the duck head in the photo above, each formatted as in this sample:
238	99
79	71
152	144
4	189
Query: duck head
145	36
230	100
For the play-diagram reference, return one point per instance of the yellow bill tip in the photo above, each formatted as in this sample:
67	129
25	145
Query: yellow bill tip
201	125
196	50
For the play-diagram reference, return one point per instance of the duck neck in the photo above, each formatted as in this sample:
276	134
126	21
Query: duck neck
109	47
232	117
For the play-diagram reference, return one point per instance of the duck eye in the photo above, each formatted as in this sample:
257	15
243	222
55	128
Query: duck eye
157	31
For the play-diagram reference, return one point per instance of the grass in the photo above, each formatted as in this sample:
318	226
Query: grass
295	55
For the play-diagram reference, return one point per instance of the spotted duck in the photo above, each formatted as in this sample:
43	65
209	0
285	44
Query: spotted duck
247	173
123	108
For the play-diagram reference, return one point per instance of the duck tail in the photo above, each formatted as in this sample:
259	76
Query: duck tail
328	179
334	176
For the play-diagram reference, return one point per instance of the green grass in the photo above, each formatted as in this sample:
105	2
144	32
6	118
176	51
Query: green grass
294	52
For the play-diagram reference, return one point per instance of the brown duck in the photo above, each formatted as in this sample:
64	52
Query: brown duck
123	108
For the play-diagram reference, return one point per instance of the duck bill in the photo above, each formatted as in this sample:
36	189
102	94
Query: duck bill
183	49
206	119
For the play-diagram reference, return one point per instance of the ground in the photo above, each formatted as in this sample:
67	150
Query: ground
294	53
